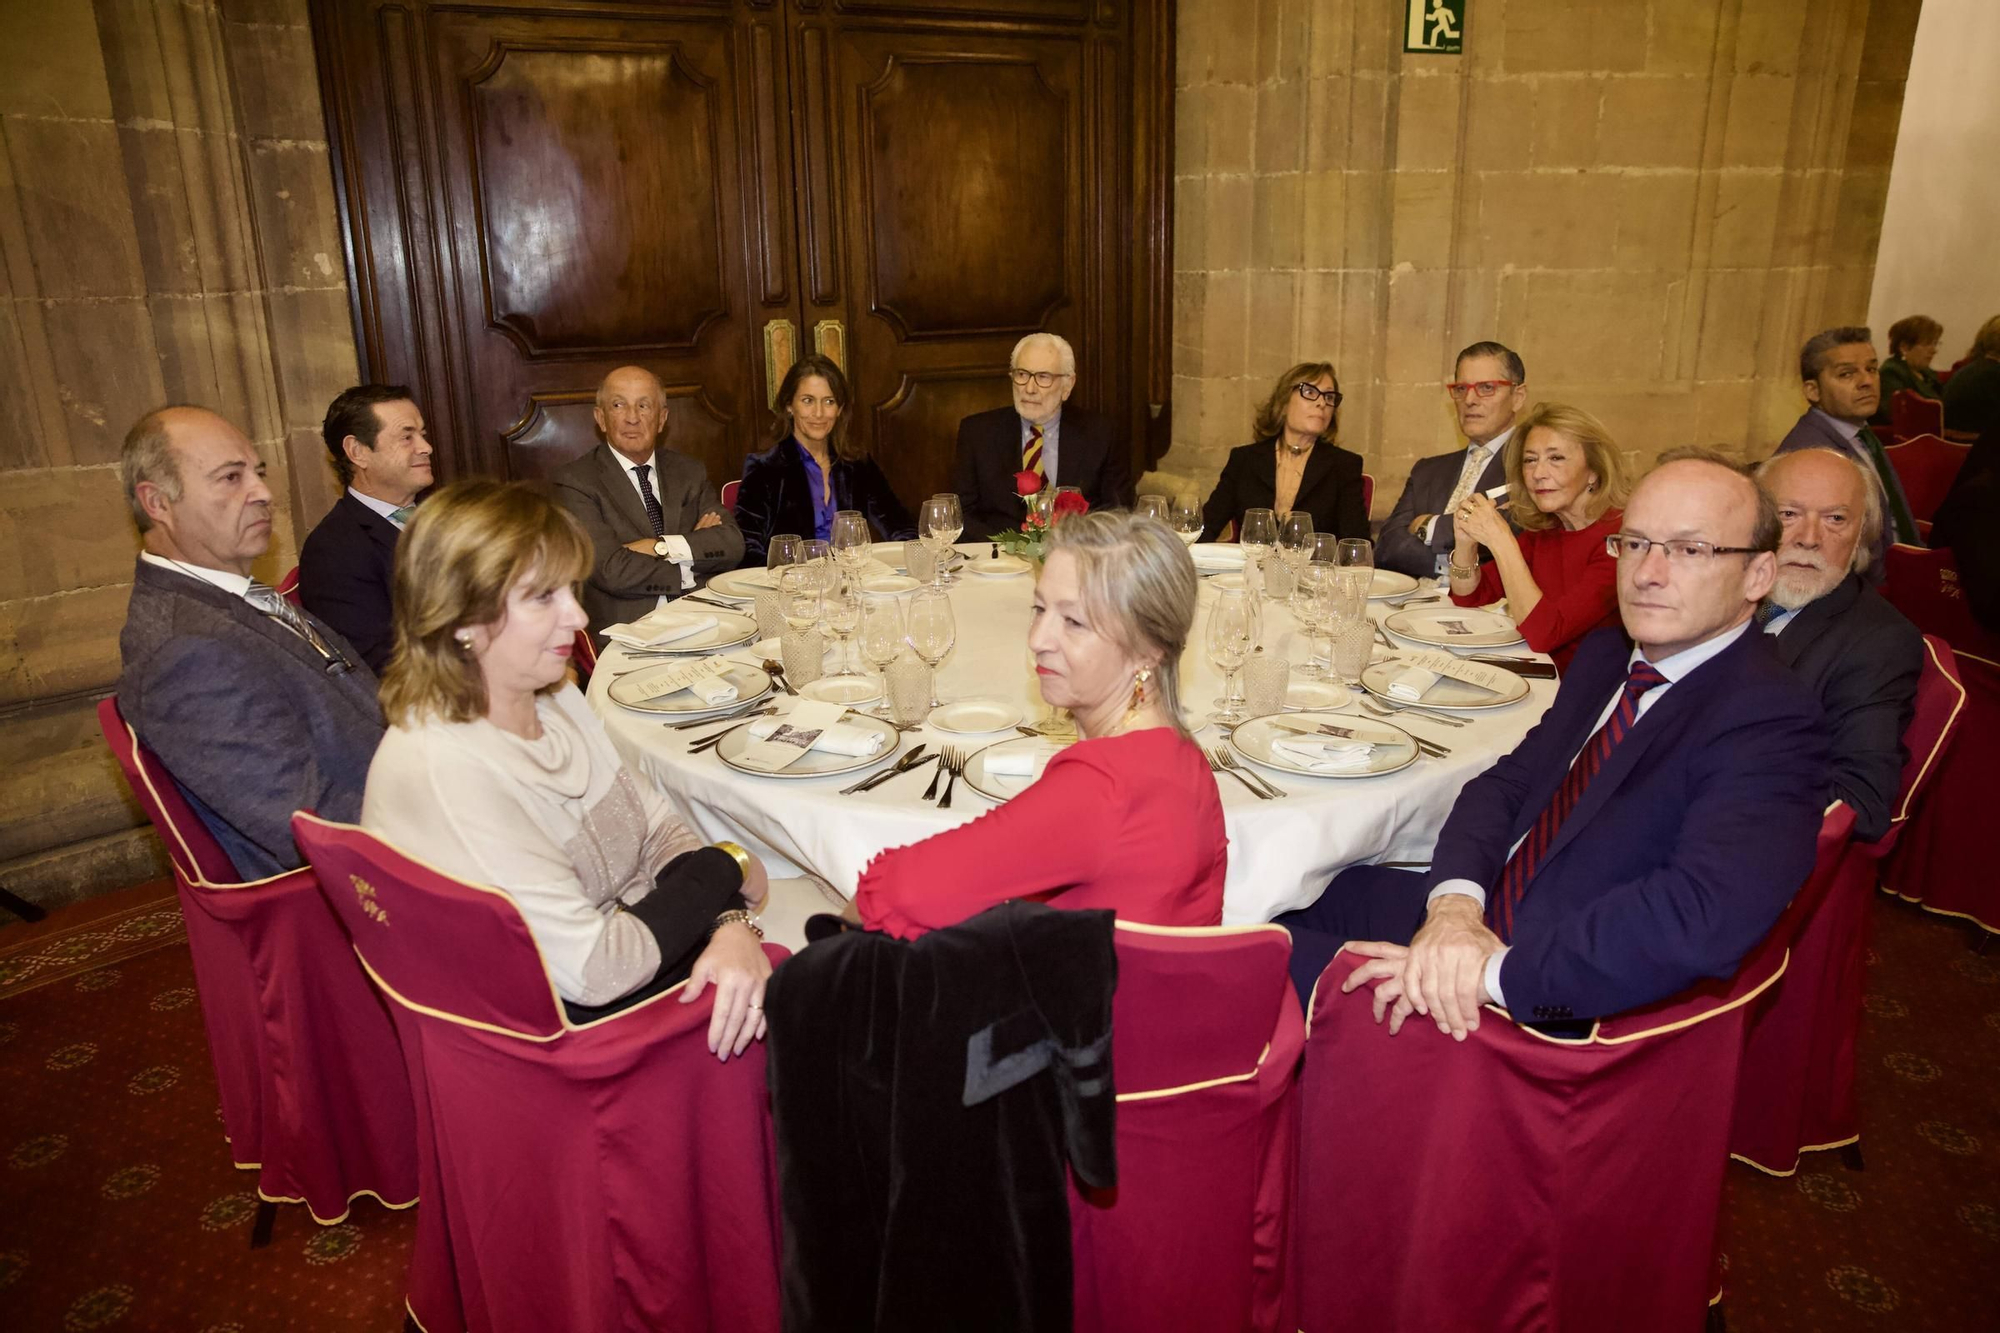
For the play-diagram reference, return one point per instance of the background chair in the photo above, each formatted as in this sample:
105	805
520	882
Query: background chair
1516	1180
729	489
1206	1038
611	1175
306	1062
288	587
585	657
1926	465
1367	494
1796	1094
1911	414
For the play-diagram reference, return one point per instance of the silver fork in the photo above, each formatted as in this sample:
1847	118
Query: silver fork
955	763
943	762
1215	765
1391	709
1230	762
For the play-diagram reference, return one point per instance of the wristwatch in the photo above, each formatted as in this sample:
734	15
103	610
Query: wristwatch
660	548
740	917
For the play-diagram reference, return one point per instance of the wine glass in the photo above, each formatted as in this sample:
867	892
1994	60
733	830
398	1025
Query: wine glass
1151	506
938	527
1257	534
1310	606
1295	541
851	538
881	633
787	548
840	607
1231	631
930	631
1184	517
1356	553
799	597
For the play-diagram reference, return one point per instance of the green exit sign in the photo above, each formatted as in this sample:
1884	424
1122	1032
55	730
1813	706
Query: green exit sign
1435	27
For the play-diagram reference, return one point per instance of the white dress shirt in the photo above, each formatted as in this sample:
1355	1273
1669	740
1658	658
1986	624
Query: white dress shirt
678	550
382	507
1477	456
1673	668
236	585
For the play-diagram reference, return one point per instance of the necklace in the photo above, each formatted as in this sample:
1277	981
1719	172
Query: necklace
1285	443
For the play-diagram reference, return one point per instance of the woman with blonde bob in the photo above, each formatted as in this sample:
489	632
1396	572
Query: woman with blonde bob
494	770
1127	818
1566	490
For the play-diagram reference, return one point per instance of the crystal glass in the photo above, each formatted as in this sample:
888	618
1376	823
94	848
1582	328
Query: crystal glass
919	559
798	597
1295	537
909	686
1352	637
1310	605
1356	553
1257	534
1042	504
851	537
881	633
1349	630
1151	506
1266	677
840	609
787	548
804	653
1184	517
770	612
1280	579
1232	629
930	630
938	526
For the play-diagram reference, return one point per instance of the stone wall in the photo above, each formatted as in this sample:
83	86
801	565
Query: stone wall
167	233
1654	202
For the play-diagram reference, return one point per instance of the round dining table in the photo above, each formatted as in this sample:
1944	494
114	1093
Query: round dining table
1282	851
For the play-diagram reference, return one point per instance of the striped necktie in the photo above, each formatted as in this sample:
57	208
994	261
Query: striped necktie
273	604
1031	456
1526	860
652	501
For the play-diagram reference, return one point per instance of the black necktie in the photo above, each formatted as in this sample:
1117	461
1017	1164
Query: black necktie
653	514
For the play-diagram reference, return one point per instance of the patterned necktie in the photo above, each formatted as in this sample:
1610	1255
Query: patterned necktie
1903	521
652	501
1765	613
1031	456
273	604
402	514
1468	477
1521	866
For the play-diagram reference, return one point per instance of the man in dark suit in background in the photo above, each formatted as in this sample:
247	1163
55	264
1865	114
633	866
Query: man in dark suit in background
1843	387
1068	446
1855	651
257	708
1489	391
375	436
656	524
1652	826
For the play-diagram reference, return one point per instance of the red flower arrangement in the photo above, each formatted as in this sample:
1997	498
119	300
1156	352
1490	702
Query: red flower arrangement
1045	507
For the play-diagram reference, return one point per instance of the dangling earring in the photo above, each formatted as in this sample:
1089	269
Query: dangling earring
1138	695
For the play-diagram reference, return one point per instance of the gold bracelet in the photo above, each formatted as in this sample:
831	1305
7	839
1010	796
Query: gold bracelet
741	857
737	916
1463	571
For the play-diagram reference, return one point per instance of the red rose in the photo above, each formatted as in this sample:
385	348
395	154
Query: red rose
1069	502
1027	483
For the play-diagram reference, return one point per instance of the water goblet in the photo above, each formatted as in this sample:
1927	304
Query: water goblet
881	633
1231	632
1184	517
798	597
938	527
1151	506
786	548
1257	534
930	630
840	608
851	538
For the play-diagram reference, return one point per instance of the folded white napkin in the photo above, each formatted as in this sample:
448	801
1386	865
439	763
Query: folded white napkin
836	739
714	690
1411	683
658	627
1027	761
1325	756
1217	556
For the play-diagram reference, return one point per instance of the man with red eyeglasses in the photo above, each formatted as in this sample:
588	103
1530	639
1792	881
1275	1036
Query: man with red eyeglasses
1488	390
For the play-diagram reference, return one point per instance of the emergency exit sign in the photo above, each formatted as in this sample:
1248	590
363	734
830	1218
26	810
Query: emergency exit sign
1434	27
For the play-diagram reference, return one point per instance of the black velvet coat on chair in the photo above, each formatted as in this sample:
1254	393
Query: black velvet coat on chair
927	1096
776	496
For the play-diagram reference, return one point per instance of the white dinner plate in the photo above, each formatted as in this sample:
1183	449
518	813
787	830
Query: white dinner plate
1445	693
741	585
975	717
814	763
729	629
1307	693
1454	627
1003	567
1216	555
1389	583
890	583
890	554
843	690
751	684
997	786
1394	748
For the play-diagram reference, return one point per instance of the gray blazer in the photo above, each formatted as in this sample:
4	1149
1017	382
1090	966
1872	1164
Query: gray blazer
1427	492
249	718
624	584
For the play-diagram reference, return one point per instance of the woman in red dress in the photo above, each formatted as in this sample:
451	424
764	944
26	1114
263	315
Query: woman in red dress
1128	818
1566	491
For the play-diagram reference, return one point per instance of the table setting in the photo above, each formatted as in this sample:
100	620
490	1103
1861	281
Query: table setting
873	718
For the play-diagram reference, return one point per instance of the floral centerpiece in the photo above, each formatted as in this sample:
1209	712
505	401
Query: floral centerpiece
1045	507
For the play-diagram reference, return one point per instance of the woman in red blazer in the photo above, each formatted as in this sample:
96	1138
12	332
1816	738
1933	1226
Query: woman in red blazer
1128	818
1566	490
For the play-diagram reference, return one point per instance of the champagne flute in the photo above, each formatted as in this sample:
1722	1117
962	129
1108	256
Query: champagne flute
1184	517
930	630
1151	506
851	538
841	608
881	633
1231	631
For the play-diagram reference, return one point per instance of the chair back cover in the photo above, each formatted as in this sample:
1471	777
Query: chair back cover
307	1064
1941	857
1911	414
585	657
1584	1176
1926	465
1206	1038
1924	585
613	1175
288	588
729	489
1367	494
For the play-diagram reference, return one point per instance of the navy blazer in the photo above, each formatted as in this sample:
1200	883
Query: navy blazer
776	496
1329	489
1682	852
989	454
1428	491
346	569
249	718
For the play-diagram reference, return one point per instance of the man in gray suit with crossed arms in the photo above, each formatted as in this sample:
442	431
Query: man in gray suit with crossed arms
255	707
1488	394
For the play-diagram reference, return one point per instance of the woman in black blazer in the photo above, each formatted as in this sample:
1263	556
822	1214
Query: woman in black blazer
813	468
1294	464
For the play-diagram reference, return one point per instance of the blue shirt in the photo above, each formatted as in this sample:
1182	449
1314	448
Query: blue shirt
822	494
1050	435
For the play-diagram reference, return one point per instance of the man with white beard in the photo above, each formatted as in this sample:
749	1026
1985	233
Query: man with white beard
1856	652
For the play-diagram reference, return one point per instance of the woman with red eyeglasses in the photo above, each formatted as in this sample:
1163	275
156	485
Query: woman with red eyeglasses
1294	463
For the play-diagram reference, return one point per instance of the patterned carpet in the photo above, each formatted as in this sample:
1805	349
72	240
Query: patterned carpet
119	1209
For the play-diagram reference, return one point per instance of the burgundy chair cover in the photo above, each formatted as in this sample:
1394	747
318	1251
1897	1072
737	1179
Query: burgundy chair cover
1797	1091
288	587
1926	465
1367	494
1515	1180
306	1060
612	1175
1923	584
1911	414
729	489
585	657
1206	1037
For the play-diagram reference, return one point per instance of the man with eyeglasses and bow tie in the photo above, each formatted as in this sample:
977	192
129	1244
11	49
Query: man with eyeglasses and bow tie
1065	446
257	708
1648	831
1488	391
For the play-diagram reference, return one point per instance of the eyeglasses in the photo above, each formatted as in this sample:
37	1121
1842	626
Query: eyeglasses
1478	388
1678	551
1043	378
1312	393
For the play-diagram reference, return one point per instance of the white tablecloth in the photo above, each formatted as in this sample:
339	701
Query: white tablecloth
1281	852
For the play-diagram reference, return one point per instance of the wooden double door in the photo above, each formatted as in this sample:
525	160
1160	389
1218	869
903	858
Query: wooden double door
534	193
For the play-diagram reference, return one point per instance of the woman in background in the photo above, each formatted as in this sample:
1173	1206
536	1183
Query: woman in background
1913	343
1294	463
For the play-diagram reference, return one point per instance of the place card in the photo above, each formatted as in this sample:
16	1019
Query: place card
1442	662
791	735
679	676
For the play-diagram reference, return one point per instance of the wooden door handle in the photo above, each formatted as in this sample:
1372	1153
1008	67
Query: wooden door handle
781	349
830	341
